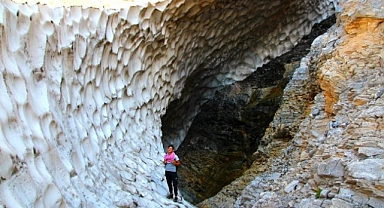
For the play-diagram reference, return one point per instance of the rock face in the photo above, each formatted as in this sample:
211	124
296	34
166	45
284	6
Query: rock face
335	158
83	89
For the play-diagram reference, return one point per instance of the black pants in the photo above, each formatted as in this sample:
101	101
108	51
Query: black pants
171	179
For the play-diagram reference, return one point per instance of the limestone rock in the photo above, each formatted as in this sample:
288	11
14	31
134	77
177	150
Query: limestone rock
292	186
368	174
332	168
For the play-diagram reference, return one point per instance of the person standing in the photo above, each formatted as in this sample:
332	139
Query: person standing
171	161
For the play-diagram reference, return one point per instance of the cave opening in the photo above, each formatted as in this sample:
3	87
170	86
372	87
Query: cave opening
85	89
217	145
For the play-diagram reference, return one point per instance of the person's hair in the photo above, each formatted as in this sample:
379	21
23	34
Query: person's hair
171	146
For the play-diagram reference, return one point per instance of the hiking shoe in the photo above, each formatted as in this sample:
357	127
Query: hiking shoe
170	196
175	199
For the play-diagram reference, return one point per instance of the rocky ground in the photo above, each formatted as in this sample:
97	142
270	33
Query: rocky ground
335	156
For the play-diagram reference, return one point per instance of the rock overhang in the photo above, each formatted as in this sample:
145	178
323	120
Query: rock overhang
85	87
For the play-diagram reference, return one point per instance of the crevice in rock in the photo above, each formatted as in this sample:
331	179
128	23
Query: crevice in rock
220	143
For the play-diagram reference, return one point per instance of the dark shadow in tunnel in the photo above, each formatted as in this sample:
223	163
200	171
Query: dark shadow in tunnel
219	145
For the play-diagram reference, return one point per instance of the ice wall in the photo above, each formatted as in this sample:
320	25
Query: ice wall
83	89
